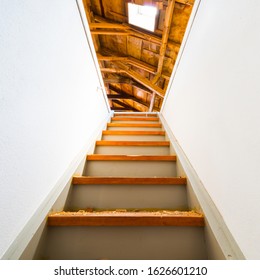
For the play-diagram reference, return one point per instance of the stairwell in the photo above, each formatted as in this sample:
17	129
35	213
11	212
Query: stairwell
129	202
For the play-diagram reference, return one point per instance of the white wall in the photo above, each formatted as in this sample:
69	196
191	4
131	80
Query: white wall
49	104
213	110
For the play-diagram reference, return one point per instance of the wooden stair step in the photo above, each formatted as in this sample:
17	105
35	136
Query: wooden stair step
132	143
134	115
118	218
134	125
132	132
87	180
152	119
131	157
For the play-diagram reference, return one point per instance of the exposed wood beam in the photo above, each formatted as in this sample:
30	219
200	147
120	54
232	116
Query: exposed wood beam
106	25
125	106
145	82
109	32
130	60
90	19
124	95
112	70
112	58
126	80
120	109
165	37
135	32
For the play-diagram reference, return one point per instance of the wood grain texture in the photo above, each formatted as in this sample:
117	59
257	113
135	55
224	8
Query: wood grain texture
131	157
131	132
132	143
135	115
85	180
151	119
134	125
125	219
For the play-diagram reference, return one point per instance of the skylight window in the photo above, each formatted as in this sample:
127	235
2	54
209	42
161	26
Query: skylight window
142	16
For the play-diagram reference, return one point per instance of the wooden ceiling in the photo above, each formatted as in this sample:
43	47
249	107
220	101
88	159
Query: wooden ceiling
136	64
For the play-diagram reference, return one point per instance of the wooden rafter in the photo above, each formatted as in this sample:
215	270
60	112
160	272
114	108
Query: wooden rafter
132	61
124	95
125	106
145	82
138	33
126	80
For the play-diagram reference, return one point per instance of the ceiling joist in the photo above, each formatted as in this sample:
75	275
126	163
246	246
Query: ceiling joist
124	95
125	106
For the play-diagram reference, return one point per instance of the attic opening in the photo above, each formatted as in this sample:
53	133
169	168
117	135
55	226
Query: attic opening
142	16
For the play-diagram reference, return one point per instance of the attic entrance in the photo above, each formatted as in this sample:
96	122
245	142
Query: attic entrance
142	16
136	63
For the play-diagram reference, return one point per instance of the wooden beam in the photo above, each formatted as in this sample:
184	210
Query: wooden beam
126	80
117	109
132	61
125	106
91	19
145	82
112	70
105	25
123	95
109	32
166	32
139	33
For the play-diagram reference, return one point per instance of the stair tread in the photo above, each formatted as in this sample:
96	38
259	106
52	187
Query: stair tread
82	180
135	115
135	119
132	132
126	218
131	157
131	143
134	125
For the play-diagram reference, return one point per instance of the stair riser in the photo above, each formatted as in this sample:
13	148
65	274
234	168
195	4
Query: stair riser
128	197
132	150
125	243
134	137
131	168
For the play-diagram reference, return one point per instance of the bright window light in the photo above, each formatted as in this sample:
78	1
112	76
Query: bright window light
142	16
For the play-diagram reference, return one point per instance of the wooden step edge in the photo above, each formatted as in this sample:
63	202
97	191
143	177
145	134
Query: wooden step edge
158	125
86	180
100	157
132	143
133	132
134	115
126	219
148	119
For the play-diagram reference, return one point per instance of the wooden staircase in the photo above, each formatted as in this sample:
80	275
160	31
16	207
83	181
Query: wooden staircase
129	202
